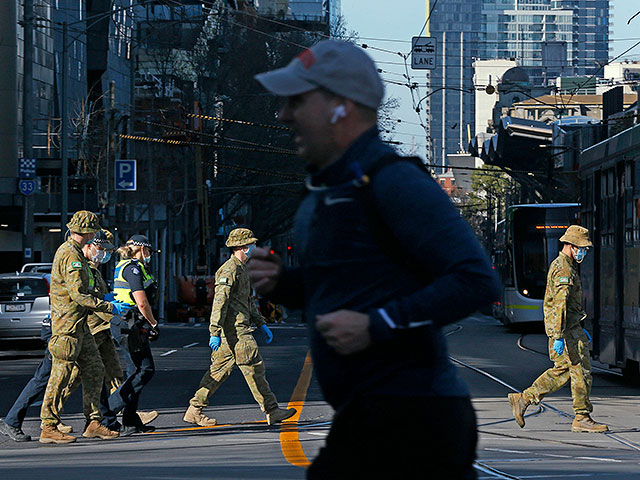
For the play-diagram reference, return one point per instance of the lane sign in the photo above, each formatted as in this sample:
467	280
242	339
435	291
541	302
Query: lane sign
125	176
423	53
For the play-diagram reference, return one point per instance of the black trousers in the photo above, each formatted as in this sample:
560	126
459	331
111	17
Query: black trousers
400	437
126	397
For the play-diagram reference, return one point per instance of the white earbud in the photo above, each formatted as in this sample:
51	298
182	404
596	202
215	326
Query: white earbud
338	112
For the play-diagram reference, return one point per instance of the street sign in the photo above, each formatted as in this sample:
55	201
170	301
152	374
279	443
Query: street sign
125	177
423	53
27	168
27	187
27	253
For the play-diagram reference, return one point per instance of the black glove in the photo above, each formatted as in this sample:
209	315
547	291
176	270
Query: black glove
154	333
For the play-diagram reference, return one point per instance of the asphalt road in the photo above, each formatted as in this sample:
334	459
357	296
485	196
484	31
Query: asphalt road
242	446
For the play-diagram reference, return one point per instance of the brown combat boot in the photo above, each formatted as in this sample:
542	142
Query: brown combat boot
519	405
194	415
584	423
279	414
147	417
96	429
62	428
50	434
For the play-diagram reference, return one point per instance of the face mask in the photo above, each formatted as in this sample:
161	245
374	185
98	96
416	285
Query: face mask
107	257
579	254
250	249
98	257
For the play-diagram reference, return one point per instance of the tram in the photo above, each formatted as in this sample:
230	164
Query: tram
610	191
526	243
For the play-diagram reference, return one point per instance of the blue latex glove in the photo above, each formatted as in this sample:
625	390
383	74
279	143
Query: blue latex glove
267	333
214	343
120	307
587	334
109	297
558	346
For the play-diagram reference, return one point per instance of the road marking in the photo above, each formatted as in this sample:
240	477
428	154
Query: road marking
191	345
168	353
494	472
289	435
191	429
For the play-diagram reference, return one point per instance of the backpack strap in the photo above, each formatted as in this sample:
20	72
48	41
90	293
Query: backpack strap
381	231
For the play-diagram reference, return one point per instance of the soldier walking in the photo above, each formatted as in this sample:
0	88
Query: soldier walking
72	343
568	340
231	342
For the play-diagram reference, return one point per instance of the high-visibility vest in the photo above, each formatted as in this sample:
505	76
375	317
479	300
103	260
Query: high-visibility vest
121	287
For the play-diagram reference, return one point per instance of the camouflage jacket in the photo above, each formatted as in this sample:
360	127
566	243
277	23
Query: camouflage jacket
563	310
71	294
233	308
98	321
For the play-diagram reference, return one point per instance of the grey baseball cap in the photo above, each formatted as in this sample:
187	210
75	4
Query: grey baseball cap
340	67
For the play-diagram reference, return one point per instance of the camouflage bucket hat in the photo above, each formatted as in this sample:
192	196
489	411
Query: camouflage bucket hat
577	236
240	237
84	221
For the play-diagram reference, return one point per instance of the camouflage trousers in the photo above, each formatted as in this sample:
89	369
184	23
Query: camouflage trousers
241	351
573	365
112	371
69	352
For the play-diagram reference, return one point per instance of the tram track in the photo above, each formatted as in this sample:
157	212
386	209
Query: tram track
532	350
495	473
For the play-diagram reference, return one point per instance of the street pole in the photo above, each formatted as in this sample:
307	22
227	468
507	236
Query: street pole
64	207
27	125
111	153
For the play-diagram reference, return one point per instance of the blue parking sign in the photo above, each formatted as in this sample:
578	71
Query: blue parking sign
125	175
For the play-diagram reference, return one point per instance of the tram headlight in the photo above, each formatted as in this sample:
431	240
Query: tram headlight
525	292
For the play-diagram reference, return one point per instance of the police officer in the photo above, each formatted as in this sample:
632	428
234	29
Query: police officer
71	342
135	286
568	340
231	342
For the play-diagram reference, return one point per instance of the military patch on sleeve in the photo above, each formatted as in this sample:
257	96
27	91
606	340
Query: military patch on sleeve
76	264
224	281
564	281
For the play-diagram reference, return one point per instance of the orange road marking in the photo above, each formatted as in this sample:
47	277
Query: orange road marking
289	436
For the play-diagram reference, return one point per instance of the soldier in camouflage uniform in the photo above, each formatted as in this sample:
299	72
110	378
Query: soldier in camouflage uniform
232	314
568	340
72	343
98	251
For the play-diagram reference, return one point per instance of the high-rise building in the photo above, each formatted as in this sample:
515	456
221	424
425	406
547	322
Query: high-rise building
548	38
456	24
95	51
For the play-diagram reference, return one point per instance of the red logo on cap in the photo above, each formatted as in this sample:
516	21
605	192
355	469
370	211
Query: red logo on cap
307	58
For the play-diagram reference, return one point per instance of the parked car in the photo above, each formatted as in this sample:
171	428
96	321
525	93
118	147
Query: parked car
24	304
36	267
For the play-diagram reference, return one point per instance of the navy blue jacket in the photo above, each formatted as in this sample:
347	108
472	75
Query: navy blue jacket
344	266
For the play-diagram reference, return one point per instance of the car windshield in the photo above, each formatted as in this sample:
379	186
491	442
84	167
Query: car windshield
23	287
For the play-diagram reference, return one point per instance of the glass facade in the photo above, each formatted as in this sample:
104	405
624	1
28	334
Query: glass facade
456	24
550	38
